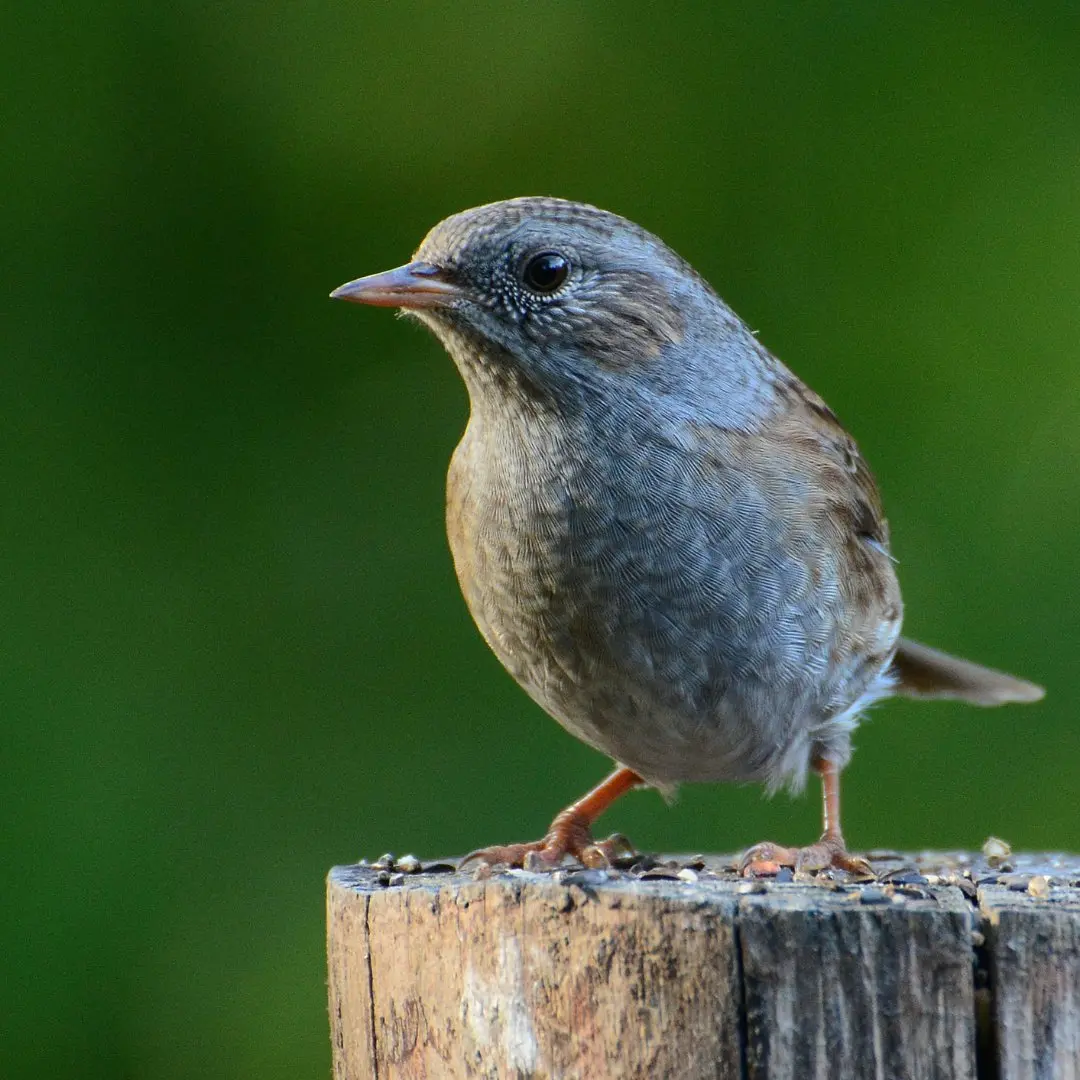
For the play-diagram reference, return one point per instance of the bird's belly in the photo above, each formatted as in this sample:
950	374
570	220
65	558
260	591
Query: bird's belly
672	704
679	643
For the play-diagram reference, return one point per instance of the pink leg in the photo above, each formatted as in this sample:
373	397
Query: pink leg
570	832
830	852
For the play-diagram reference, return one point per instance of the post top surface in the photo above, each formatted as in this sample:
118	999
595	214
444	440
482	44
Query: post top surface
911	880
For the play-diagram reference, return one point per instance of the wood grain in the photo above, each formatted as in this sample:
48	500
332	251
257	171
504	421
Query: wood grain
1033	946
690	972
838	987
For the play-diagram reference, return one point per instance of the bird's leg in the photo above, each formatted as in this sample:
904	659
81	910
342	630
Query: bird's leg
830	852
570	832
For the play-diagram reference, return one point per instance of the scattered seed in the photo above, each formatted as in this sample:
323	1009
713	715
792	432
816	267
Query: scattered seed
1016	882
996	851
913	892
906	877
966	887
1039	887
752	888
585	879
595	858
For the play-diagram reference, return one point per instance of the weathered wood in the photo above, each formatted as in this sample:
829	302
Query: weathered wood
689	971
833	984
520	976
1033	945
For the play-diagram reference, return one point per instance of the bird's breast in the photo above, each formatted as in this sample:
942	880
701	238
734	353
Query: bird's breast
652	606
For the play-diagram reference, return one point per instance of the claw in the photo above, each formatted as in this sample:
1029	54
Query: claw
509	855
569	833
829	853
766	860
602	854
549	853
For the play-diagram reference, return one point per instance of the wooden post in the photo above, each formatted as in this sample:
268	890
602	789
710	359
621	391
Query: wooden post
942	967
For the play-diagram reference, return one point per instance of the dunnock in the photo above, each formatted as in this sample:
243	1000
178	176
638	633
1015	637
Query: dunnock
668	540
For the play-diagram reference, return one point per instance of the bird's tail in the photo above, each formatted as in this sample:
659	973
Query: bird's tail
922	672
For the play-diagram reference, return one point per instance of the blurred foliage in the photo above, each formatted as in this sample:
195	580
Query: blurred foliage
234	651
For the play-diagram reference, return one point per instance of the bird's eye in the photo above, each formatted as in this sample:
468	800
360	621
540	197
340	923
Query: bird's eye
546	272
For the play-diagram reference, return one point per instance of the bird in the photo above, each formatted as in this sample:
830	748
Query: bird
667	538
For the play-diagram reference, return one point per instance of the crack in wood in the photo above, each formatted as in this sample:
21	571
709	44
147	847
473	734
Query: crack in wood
942	968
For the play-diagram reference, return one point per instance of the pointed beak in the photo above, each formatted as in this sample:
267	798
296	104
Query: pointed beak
415	285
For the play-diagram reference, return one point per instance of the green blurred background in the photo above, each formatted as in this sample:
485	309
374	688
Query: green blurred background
234	650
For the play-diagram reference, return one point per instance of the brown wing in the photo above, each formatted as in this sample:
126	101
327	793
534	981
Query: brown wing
810	470
844	505
854	493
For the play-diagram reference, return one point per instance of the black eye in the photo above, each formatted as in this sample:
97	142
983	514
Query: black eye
544	273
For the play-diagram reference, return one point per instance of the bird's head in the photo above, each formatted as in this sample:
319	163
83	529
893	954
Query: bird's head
556	296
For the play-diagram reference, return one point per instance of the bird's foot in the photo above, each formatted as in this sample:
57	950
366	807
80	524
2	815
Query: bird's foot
829	853
568	835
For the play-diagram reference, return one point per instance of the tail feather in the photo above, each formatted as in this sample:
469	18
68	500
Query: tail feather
922	672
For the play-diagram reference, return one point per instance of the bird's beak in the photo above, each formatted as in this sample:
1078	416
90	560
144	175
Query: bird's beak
415	285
